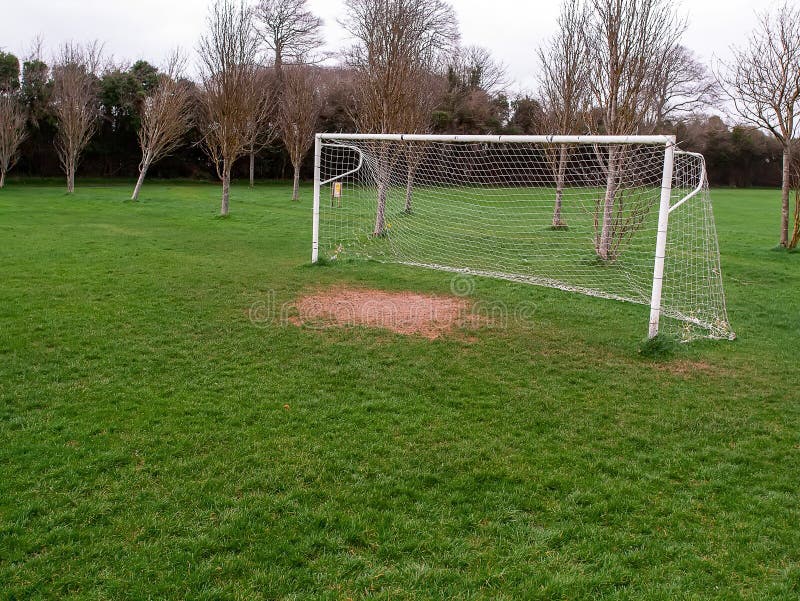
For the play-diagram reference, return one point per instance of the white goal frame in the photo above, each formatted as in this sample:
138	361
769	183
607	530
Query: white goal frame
665	206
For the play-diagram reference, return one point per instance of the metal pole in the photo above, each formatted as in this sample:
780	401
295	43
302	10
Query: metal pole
661	241
317	168
504	139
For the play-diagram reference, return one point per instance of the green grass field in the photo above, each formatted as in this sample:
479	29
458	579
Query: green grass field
158	444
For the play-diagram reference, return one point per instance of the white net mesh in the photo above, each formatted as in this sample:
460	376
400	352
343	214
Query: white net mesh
578	217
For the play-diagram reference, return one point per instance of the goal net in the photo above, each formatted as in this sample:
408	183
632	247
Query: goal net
581	214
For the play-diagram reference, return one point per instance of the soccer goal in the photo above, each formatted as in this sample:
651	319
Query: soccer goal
624	218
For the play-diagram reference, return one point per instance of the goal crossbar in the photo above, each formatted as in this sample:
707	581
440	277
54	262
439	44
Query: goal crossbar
489	139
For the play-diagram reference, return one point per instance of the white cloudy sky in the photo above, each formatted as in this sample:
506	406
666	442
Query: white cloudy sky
511	29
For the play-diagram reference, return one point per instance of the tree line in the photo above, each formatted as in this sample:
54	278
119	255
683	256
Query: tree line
264	86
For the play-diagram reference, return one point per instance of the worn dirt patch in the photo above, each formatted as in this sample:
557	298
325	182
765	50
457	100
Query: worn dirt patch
403	312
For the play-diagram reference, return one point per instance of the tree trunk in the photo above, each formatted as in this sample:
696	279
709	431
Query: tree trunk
786	185
384	174
296	186
226	189
380	215
607	225
796	229
558	222
252	168
70	179
409	189
2	178
140	181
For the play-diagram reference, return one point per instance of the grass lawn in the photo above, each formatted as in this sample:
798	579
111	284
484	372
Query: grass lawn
158	444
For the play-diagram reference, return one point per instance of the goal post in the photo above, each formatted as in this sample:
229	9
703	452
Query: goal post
661	238
621	217
317	187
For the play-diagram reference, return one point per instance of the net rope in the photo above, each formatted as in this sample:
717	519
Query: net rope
578	217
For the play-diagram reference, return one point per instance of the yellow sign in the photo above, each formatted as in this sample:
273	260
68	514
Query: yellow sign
336	194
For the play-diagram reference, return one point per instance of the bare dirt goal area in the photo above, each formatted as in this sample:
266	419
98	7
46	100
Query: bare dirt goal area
407	313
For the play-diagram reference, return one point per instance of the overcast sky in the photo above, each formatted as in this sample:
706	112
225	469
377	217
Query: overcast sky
511	29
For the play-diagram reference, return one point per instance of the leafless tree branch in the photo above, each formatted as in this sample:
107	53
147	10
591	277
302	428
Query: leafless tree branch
166	116
12	131
564	88
75	103
232	101
289	30
763	82
299	109
474	68
628	43
685	88
398	44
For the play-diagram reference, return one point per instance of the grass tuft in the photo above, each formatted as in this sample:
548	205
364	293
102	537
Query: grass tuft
661	346
323	261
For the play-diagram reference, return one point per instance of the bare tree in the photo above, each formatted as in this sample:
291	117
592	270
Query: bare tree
763	81
231	99
166	116
290	31
627	42
13	119
474	68
292	34
300	106
396	41
563	81
75	103
685	88
429	89
262	128
475	92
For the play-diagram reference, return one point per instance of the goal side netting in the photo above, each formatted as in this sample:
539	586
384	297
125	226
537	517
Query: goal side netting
575	213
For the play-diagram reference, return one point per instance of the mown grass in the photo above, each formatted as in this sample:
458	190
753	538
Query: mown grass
157	443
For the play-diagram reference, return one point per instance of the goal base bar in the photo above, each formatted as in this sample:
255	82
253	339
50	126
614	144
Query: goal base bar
557	285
